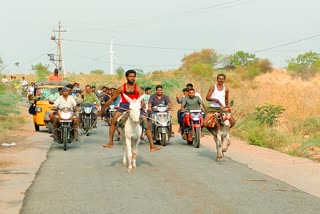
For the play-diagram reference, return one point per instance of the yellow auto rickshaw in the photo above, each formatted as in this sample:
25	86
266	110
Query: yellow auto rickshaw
45	93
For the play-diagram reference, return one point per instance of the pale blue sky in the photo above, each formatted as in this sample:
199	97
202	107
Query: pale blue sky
174	27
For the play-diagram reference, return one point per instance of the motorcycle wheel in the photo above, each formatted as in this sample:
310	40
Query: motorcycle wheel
163	139
36	127
50	127
197	136
65	138
87	125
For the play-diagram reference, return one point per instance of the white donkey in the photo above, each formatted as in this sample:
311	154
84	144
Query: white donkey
130	133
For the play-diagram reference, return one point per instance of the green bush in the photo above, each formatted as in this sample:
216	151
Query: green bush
8	103
311	126
269	114
259	134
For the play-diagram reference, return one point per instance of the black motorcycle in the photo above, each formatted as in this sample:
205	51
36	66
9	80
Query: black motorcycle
87	116
64	132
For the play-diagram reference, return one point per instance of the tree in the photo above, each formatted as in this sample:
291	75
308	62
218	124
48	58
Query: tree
306	60
205	56
304	65
41	71
120	72
241	58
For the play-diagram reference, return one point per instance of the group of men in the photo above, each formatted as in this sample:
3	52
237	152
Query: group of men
217	95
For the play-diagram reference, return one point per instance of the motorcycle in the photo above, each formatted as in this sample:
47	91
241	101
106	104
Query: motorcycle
161	126
193	121
64	132
109	112
87	120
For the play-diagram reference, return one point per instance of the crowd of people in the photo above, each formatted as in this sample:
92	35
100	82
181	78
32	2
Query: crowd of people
73	96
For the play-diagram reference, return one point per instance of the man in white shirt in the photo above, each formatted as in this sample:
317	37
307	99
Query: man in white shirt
24	82
66	100
4	79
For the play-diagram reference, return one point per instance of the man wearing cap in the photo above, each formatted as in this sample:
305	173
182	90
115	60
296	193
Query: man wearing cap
55	76
66	100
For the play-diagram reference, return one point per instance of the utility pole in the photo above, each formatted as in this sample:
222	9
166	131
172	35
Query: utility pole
111	57
59	49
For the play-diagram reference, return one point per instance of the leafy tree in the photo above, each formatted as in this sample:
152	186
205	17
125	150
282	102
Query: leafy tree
41	71
307	59
205	56
97	71
201	70
120	72
305	65
241	58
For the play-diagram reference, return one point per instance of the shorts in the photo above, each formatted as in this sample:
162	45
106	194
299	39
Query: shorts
212	110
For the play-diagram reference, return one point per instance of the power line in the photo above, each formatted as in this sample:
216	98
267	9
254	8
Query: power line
211	6
286	44
133	46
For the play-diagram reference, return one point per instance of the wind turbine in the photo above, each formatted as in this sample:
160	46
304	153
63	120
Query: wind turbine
111	52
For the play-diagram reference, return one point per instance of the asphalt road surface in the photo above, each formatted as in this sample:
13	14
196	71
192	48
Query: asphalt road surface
179	178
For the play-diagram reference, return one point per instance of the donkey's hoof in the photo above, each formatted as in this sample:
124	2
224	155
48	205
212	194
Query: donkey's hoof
219	158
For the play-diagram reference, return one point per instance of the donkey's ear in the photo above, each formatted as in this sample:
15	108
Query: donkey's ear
140	98
127	98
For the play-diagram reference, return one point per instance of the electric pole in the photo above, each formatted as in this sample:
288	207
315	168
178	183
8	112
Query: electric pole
59	48
111	57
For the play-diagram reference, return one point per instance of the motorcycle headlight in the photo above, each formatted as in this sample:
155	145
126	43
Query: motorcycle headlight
195	116
65	115
162	118
38	109
87	110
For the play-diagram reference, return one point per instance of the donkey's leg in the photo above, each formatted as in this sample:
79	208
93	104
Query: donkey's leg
134	153
227	139
129	150
124	159
219	146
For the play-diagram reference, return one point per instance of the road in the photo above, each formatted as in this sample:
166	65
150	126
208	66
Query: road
177	179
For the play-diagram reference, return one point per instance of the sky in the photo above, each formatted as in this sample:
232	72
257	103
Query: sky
153	35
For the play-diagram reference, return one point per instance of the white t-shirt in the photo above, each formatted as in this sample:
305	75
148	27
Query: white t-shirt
60	102
220	95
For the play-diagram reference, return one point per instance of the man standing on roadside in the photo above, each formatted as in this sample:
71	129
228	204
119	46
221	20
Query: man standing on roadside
131	89
55	76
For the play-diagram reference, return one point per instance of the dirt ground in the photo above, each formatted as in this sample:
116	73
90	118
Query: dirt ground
19	164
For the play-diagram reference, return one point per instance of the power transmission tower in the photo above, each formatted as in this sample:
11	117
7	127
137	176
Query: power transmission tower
59	49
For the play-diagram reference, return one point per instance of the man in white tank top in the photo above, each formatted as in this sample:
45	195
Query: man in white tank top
218	95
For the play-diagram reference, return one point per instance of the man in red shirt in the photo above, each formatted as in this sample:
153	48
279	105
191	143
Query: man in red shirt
132	90
55	76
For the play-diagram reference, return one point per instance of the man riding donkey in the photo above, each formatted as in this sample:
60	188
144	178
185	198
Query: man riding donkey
218	119
218	95
132	90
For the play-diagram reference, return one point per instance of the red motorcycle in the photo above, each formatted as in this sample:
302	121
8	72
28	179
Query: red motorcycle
193	121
